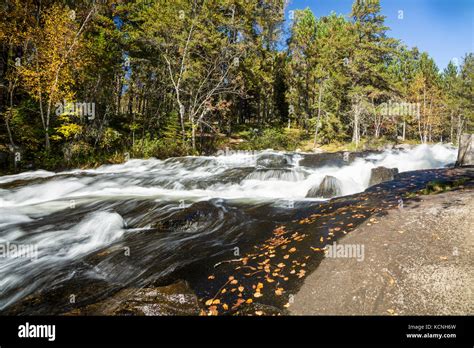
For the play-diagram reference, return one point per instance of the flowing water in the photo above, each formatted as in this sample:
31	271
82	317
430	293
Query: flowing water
145	221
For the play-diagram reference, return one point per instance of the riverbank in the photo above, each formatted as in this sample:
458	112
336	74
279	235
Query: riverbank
58	161
418	261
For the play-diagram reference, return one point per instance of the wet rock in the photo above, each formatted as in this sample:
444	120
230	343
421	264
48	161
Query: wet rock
329	187
403	147
338	159
466	150
382	174
272	161
174	299
191	162
322	160
277	174
229	176
260	309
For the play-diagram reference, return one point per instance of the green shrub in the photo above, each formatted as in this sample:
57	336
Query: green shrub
272	138
159	148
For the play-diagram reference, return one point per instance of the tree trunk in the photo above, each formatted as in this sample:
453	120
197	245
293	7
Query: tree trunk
46	129
181	119
40	98
7	123
319	115
451	131
193	134
355	133
459	129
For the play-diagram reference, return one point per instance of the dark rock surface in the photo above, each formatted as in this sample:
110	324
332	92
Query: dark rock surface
174	299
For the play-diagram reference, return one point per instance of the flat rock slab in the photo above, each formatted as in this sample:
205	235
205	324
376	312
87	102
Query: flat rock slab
418	260
174	299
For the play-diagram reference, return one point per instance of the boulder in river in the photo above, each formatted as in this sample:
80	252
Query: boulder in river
272	160
332	159
329	187
466	150
382	174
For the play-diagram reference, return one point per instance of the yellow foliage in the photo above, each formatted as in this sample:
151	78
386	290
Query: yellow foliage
68	131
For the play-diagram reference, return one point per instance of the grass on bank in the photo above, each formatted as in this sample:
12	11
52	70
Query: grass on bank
437	186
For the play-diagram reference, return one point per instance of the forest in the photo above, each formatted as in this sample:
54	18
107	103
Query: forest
83	83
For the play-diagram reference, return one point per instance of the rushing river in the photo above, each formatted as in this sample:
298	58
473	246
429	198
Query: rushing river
145	221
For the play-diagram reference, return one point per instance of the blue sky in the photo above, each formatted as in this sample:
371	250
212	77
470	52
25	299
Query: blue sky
443	28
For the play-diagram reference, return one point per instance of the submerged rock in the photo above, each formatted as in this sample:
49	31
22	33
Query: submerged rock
329	187
382	174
